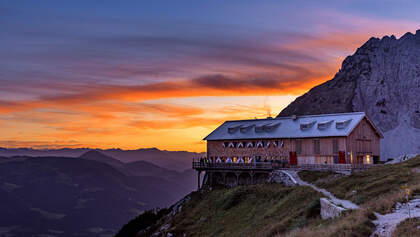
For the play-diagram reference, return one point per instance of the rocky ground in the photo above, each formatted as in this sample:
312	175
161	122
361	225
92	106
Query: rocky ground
386	224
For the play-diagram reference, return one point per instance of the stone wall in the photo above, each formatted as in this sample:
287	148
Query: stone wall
329	210
278	176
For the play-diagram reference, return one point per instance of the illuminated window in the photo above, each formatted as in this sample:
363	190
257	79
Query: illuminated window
368	159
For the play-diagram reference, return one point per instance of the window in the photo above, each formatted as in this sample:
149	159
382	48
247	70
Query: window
306	126
335	145
316	146
298	144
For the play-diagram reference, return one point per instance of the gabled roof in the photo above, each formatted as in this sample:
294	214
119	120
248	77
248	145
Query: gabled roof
323	125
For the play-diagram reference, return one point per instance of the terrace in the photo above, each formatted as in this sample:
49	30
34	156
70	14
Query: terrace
202	165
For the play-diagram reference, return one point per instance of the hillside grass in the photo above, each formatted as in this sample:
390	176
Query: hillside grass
319	177
257	210
354	223
276	210
378	188
408	228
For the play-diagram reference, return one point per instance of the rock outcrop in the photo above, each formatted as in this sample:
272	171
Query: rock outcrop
279	176
382	79
329	209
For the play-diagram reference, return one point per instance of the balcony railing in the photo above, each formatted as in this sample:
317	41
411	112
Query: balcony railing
279	165
325	167
242	166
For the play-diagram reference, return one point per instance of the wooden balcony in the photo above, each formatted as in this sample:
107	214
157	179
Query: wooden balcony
200	165
232	166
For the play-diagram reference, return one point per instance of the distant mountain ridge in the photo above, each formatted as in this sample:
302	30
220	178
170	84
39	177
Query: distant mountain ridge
185	179
98	156
382	78
66	194
175	160
90	195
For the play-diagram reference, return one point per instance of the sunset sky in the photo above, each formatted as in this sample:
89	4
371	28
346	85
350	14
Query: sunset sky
137	74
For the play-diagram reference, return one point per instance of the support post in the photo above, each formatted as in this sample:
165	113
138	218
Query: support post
237	178
210	178
198	183
224	178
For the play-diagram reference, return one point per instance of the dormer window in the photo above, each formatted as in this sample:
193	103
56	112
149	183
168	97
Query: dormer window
233	129
342	124
325	125
247	128
270	127
306	126
259	129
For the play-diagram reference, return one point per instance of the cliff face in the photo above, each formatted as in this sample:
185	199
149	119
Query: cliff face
383	79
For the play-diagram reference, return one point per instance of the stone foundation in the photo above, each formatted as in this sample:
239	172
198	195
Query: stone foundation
279	176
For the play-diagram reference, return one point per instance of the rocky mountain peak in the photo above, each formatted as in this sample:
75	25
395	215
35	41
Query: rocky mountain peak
382	78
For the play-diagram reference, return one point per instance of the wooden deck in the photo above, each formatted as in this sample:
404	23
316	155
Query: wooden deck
202	166
232	166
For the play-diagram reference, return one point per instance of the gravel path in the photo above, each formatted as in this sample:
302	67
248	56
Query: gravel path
339	202
386	224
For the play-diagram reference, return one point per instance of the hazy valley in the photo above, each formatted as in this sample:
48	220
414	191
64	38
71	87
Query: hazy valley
90	195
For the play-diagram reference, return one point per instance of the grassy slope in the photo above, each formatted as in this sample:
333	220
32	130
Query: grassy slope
378	188
262	210
408	228
275	210
375	190
259	210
